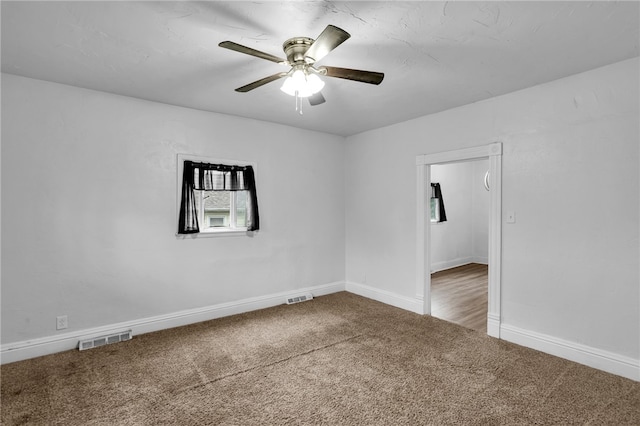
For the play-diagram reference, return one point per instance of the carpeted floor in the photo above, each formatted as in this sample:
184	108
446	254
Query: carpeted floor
337	360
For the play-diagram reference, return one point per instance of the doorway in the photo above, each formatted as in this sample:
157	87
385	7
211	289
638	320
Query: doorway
459	243
493	153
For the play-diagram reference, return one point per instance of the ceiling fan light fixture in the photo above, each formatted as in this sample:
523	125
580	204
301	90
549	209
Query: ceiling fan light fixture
302	83
303	80
314	83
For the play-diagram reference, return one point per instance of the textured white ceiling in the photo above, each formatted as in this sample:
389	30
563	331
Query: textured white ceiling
435	55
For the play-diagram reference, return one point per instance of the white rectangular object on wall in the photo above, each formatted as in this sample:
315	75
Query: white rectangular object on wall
298	299
104	340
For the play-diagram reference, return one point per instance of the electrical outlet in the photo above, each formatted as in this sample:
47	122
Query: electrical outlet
62	322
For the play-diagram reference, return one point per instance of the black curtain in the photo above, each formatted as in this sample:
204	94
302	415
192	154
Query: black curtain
436	192
215	177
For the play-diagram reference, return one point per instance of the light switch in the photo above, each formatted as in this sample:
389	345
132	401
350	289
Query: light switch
511	217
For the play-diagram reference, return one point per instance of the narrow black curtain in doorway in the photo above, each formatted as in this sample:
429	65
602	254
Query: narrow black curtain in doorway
436	193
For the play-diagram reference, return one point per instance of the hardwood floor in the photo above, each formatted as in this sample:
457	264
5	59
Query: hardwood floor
459	295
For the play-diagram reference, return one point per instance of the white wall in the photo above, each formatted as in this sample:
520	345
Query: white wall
570	154
89	210
463	238
451	241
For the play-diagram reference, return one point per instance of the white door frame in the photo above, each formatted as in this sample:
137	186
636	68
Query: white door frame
423	253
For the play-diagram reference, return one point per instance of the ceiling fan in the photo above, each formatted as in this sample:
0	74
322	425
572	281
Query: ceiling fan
302	53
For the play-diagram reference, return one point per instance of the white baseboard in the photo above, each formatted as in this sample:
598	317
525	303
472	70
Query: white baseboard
387	297
448	264
19	351
493	325
582	354
592	357
480	259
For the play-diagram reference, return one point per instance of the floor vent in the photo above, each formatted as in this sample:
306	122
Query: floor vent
104	340
298	299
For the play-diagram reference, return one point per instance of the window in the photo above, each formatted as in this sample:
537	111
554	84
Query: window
216	196
437	204
435	210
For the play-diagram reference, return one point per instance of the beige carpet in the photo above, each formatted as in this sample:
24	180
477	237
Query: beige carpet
336	360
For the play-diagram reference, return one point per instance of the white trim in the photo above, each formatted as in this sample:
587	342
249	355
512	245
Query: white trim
449	264
480	260
423	229
19	351
387	297
493	325
602	360
592	357
423	247
460	154
209	233
495	239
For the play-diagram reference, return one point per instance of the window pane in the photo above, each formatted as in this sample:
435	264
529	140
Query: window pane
217	205
241	209
216	221
435	210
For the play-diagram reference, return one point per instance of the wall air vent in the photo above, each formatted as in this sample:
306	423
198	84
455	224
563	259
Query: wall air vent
104	340
298	299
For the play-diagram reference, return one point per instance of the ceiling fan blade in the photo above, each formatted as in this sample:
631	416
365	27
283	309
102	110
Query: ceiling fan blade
328	40
370	77
260	82
249	51
316	99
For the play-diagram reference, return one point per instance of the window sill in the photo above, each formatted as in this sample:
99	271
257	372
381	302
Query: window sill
217	233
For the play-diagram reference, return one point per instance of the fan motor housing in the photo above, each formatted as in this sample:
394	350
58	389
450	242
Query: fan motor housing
295	48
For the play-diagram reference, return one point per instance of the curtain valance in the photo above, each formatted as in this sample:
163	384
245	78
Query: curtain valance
215	177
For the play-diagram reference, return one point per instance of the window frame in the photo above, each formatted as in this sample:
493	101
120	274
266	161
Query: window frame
218	231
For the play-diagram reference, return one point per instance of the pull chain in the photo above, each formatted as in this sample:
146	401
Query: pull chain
298	104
